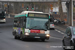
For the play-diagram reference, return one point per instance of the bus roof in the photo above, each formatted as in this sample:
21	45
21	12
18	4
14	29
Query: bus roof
31	12
26	12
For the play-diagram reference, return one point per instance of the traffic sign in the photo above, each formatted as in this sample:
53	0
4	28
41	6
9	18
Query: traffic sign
51	8
51	5
5	5
22	5
55	12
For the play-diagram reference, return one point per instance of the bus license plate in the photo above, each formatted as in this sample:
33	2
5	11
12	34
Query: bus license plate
36	37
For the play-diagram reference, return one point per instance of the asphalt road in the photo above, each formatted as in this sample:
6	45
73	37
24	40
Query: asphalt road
7	41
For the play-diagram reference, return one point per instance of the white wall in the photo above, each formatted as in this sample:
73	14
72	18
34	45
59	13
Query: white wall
56	9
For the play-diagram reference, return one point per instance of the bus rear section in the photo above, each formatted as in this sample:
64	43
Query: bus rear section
33	26
2	16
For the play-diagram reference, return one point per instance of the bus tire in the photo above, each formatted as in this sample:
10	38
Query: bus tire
16	37
21	37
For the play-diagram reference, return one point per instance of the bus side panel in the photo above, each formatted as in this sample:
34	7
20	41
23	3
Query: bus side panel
20	30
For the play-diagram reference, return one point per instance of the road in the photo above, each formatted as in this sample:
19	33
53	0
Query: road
7	41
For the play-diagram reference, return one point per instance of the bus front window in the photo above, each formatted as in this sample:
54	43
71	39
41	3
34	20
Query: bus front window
36	23
2	14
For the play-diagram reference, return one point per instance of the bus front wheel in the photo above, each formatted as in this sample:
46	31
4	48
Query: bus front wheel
21	37
16	37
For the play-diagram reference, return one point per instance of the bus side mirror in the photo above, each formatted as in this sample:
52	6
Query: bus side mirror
26	15
46	24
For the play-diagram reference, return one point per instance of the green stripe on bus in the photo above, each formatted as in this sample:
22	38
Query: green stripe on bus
38	17
26	15
49	17
20	15
23	30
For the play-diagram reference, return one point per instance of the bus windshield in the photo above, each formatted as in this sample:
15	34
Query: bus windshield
2	14
36	23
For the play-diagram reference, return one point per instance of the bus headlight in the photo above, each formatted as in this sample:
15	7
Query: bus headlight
26	33
3	19
47	35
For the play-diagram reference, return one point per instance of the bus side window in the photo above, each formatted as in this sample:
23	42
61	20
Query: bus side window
24	20
24	23
16	22
47	24
20	22
3	13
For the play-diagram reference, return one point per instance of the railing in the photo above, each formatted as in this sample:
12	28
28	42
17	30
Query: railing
33	0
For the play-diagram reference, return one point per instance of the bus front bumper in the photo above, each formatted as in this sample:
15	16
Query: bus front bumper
37	36
2	20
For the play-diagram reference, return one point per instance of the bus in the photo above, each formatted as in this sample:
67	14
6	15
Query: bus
2	16
31	25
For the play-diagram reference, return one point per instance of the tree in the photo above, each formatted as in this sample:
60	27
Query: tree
60	10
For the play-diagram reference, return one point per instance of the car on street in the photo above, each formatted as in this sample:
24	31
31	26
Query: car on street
69	38
57	21
52	27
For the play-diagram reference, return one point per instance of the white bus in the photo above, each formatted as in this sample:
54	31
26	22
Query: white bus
31	24
2	16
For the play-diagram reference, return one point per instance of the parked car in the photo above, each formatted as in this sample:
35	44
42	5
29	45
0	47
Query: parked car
52	27
58	22
69	38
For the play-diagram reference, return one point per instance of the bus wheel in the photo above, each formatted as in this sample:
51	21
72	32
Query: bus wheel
43	40
16	37
21	37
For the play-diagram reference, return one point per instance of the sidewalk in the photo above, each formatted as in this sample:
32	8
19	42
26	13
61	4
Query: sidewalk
63	27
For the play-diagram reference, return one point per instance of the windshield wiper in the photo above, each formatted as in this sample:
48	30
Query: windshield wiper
43	29
34	27
38	27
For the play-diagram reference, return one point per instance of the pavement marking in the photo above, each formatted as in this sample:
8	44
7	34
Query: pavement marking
56	30
59	31
62	33
56	38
